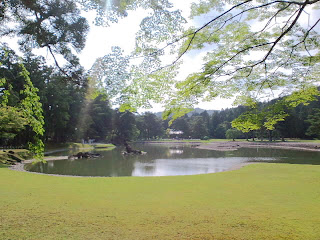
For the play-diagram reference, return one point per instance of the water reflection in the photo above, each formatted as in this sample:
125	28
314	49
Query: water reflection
167	160
175	151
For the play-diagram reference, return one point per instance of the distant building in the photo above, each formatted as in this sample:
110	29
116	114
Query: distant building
175	134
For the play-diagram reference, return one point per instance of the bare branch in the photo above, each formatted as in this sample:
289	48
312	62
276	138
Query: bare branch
56	62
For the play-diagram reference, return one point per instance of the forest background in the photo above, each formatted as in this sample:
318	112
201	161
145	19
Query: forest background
63	102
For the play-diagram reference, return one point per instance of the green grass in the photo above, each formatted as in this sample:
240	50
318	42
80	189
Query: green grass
103	145
56	146
84	146
257	202
303	140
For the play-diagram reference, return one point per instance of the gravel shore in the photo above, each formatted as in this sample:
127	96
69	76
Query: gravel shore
234	145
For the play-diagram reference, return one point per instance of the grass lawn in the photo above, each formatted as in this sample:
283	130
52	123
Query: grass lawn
260	201
81	145
57	146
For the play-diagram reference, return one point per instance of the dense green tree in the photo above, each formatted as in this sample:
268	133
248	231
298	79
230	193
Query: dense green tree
150	126
221	129
18	94
198	127
12	121
248	122
232	133
214	122
125	128
206	118
182	124
100	114
57	106
54	24
314	120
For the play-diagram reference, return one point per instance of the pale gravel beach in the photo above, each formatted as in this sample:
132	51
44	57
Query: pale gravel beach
234	145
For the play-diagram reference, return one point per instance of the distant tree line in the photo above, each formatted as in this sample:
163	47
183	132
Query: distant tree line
302	122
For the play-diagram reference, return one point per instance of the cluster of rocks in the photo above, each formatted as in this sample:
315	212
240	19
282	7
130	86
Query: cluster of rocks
85	155
130	150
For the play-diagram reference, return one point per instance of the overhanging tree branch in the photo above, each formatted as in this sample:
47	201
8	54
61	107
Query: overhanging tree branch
269	51
284	32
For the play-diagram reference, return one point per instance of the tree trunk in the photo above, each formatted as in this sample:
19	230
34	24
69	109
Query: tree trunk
270	135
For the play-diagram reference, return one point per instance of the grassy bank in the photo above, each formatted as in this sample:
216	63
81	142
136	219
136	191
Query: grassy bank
262	201
13	155
55	146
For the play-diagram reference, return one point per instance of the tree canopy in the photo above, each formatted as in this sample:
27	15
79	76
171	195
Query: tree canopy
254	50
53	25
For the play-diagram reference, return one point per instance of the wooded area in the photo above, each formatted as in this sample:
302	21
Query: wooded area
64	102
71	114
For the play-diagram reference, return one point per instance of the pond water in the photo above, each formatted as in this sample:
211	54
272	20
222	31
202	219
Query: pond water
169	160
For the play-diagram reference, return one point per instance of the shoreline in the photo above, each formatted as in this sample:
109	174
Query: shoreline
216	146
20	168
235	145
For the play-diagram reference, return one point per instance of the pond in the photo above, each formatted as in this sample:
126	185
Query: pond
169	160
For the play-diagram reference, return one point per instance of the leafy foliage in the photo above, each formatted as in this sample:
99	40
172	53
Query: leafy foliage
253	49
12	121
32	110
247	122
22	105
54	24
150	126
232	133
314	120
125	128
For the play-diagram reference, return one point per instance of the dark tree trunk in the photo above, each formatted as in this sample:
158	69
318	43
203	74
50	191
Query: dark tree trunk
270	135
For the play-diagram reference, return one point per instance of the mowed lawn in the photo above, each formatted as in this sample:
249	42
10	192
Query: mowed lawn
260	201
